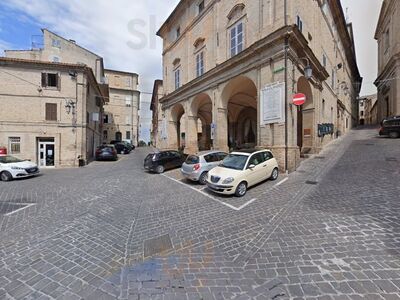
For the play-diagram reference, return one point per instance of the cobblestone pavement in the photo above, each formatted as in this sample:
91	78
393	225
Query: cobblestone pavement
331	230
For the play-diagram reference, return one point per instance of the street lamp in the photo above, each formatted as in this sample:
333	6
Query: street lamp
307	69
69	106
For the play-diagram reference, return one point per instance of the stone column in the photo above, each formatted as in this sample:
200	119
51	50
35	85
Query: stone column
191	145
221	137
172	139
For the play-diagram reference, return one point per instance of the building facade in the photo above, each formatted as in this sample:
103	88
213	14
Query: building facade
230	69
370	110
388	82
155	108
121	116
51	112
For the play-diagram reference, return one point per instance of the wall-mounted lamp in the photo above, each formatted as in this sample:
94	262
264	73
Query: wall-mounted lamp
343	85
307	69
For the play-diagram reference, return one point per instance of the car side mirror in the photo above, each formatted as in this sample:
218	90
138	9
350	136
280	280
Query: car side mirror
251	167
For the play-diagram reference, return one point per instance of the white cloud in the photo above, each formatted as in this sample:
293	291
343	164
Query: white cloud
4	46
108	28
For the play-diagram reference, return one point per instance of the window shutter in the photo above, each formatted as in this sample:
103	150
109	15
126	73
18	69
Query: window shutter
51	111
58	82
44	79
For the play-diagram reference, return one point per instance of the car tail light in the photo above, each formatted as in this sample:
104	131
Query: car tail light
196	167
114	151
98	151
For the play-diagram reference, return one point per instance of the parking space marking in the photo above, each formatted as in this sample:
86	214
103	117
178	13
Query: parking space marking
27	205
282	181
209	196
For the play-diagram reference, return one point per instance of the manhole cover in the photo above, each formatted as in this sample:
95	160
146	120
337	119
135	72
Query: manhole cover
157	245
311	182
7	208
320	157
391	159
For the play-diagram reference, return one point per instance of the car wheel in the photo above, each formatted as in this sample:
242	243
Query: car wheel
6	176
393	134
160	169
203	178
274	174
241	189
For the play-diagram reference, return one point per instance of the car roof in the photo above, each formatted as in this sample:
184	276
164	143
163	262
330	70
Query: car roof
202	153
391	118
249	152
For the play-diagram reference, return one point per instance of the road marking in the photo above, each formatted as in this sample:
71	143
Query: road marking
209	196
19	209
282	181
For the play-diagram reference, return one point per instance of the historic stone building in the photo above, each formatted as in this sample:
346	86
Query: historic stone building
155	107
388	82
233	66
52	100
50	112
121	117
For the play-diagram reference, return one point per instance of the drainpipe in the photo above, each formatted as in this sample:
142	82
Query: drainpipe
286	85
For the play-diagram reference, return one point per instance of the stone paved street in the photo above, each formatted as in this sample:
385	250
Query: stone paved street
331	230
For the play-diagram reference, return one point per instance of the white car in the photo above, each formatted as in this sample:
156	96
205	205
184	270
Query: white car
241	170
12	168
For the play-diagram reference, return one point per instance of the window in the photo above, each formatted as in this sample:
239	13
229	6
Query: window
51	80
256	159
333	79
128	101
200	64
267	155
128	81
128	135
56	59
323	108
56	43
51	111
14	145
237	39
200	7
87	117
362	113
105	119
178	32
299	23
177	78
387	40
105	135
324	60
128	120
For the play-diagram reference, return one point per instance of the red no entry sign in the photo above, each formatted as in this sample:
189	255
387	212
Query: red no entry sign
299	99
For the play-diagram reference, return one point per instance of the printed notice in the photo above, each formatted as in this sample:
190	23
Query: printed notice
272	104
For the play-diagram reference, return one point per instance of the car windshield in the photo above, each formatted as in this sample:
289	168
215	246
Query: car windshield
9	159
234	161
192	159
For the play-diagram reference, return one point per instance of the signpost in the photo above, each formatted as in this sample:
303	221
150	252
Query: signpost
299	99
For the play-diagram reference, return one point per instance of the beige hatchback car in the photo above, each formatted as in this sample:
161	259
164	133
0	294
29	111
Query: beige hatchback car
241	170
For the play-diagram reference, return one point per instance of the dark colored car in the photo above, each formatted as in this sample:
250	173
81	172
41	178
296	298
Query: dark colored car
127	144
163	160
106	152
391	127
122	148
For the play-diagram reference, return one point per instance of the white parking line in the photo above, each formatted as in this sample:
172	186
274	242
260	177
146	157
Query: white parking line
19	209
211	197
282	181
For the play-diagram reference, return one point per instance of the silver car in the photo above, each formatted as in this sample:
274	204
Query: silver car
196	167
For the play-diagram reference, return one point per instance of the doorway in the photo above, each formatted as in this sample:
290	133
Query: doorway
46	153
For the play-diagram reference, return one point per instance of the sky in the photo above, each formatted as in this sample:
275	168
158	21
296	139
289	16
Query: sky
123	33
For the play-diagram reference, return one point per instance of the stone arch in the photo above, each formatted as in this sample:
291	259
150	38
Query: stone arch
178	134
305	118
201	109
239	97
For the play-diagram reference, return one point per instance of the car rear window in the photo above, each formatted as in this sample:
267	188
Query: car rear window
192	159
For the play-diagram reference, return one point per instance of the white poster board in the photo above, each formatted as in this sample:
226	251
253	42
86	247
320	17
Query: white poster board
164	133
272	104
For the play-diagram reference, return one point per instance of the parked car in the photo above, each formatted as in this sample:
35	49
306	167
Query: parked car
391	127
12	168
241	170
163	160
196	167
106	152
126	143
122	148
